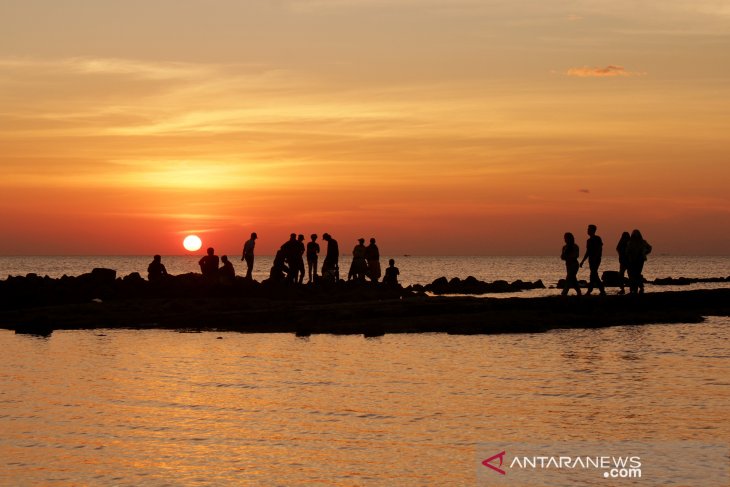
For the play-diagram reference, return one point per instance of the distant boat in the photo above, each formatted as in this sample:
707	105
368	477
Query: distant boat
406	255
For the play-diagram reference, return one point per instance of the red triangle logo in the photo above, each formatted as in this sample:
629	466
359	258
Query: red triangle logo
488	462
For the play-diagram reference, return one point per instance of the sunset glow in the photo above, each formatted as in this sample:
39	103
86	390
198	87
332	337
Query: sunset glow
440	127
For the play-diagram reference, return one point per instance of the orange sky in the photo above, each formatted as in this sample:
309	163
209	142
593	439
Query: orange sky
437	126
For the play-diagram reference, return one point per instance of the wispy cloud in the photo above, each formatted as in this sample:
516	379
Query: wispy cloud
610	71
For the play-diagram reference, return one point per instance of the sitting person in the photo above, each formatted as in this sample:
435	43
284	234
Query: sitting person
279	269
156	270
227	273
391	273
209	264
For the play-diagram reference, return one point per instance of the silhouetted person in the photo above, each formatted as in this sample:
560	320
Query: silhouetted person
636	251
594	252
248	254
279	270
290	249
330	266
227	273
623	262
570	255
372	256
312	257
156	270
209	264
299	260
391	273
359	266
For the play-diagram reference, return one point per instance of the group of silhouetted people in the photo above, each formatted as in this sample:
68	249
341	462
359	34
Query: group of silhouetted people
632	251
289	261
212	272
288	265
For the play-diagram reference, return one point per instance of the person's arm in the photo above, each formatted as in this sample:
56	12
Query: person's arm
585	256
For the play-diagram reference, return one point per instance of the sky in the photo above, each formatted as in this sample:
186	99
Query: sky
440	127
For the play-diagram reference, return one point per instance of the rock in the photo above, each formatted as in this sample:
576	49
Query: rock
439	286
134	277
103	276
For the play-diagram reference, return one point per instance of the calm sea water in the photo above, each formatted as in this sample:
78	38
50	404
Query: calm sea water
414	270
121	407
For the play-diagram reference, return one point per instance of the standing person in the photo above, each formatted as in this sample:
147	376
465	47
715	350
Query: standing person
636	251
156	270
248	254
330	266
391	274
594	252
312	257
300	260
623	258
570	255
209	264
359	266
372	256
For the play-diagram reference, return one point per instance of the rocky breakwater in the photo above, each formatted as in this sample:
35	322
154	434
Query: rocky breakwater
684	281
471	285
39	305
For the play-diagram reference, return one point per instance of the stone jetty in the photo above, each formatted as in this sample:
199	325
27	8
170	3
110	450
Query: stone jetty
100	299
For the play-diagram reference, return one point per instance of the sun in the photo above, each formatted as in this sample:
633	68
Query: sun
192	243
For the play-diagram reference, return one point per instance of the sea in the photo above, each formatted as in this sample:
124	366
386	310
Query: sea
160	407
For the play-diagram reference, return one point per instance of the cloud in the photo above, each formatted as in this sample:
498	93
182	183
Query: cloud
584	191
607	72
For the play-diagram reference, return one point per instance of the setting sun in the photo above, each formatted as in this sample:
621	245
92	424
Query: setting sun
192	243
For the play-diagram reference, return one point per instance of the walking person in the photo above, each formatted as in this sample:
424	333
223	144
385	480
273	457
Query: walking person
312	257
372	256
623	258
570	255
636	251
594	252
248	254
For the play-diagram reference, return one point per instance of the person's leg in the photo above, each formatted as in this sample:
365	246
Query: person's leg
633	280
249	266
622	272
595	278
640	276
